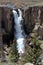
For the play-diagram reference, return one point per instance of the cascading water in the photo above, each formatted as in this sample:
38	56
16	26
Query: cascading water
19	31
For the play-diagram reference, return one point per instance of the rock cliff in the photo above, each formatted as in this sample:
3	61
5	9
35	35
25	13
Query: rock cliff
31	16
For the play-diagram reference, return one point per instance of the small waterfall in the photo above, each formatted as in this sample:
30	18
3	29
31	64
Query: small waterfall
19	31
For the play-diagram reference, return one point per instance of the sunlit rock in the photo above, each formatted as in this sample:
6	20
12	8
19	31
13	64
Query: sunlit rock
29	64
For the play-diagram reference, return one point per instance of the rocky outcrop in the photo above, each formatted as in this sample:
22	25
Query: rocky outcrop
40	31
32	16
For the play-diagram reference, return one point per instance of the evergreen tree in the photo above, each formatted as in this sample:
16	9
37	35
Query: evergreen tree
14	52
32	51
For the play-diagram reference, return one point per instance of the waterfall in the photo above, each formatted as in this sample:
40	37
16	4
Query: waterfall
19	31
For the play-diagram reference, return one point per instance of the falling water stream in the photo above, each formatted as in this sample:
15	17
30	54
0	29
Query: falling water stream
19	30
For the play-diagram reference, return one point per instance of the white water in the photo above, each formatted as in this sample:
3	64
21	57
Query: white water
19	36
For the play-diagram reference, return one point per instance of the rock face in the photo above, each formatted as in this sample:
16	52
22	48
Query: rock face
21	3
6	18
0	29
28	25
31	15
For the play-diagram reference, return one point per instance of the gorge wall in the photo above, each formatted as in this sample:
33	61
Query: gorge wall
31	16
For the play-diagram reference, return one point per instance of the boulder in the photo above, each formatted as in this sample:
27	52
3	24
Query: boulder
29	64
